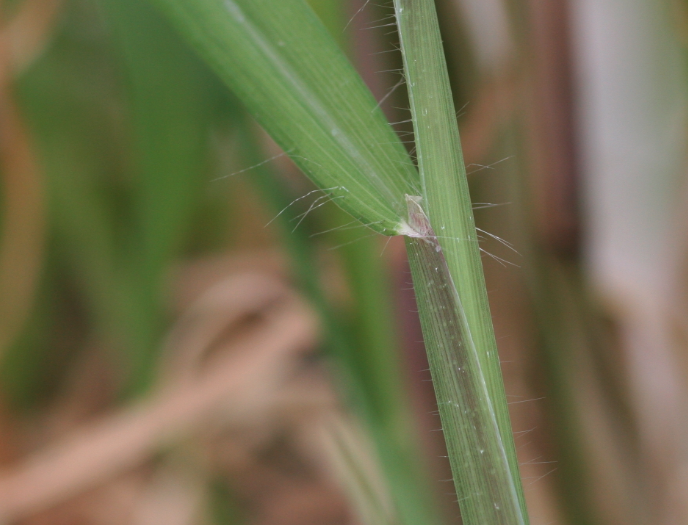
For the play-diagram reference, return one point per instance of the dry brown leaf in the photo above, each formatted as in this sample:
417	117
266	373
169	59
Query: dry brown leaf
233	380
29	31
22	234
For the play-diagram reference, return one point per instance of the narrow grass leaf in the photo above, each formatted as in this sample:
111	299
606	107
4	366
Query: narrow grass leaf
289	72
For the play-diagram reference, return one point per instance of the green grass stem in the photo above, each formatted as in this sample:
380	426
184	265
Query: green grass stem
458	327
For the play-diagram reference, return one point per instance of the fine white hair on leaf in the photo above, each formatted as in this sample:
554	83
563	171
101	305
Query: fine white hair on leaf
314	206
521	433
401	121
395	70
525	400
348	226
261	163
418	226
380	26
460	111
333	188
353	225
385	246
485	205
501	261
355	15
543	476
353	241
482	167
389	93
534	461
500	240
394	50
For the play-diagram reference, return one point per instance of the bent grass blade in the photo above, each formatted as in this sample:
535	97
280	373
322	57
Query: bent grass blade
282	63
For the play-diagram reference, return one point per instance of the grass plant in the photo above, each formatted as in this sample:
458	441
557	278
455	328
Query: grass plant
136	183
279	60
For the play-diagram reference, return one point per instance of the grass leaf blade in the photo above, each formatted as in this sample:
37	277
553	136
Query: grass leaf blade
289	72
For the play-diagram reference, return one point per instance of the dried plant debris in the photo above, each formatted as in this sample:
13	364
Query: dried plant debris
238	400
